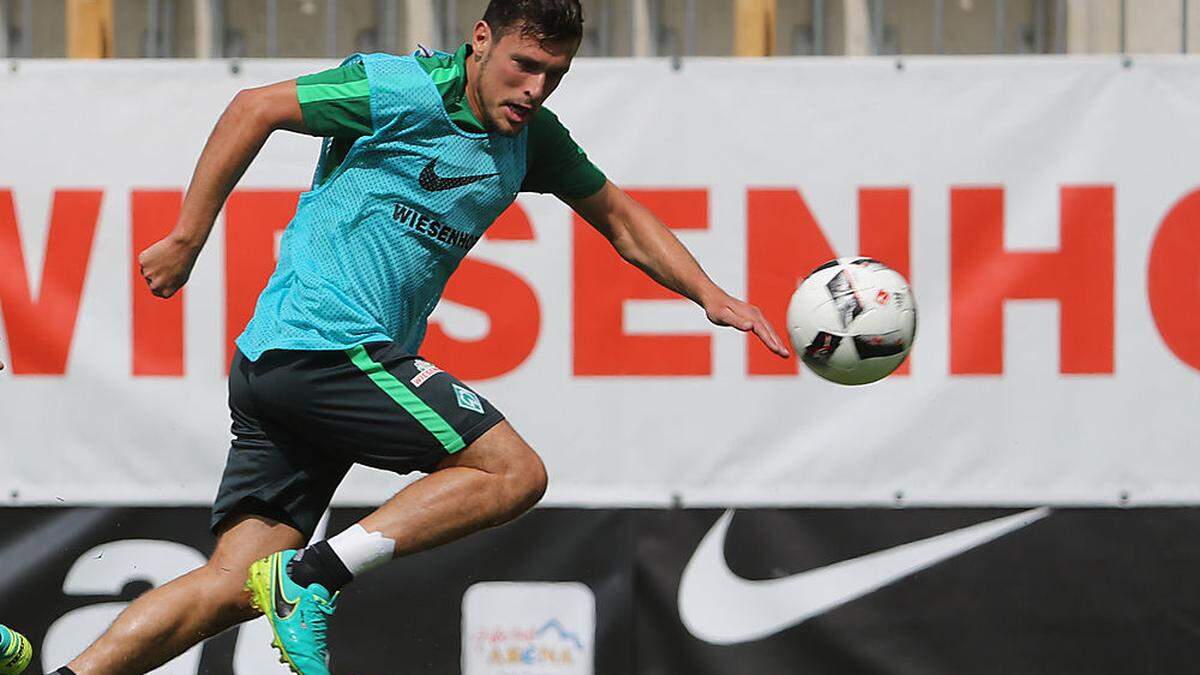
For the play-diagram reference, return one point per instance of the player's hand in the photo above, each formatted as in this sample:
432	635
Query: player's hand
167	265
726	310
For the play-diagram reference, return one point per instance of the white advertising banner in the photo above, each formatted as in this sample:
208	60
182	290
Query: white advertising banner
1046	212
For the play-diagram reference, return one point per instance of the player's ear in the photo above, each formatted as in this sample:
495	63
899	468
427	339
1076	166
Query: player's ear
481	38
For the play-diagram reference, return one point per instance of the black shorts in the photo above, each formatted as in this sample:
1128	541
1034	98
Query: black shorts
302	418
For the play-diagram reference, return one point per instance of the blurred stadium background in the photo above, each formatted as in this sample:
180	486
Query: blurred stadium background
1030	165
334	28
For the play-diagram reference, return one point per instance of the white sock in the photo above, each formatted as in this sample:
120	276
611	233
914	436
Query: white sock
360	550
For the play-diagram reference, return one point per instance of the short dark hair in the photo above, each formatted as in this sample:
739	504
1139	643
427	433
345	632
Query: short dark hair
542	20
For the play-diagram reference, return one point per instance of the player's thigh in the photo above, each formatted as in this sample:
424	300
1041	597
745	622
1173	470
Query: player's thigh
277	468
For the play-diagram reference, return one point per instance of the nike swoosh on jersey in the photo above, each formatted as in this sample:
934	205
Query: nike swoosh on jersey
435	183
722	608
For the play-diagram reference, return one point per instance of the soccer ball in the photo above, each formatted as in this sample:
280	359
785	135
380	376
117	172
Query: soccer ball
852	320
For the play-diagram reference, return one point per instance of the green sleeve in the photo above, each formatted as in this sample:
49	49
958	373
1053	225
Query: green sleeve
336	103
555	163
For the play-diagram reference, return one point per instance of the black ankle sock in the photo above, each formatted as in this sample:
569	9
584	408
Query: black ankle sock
63	671
319	564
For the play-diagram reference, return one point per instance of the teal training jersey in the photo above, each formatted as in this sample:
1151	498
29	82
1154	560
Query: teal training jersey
370	249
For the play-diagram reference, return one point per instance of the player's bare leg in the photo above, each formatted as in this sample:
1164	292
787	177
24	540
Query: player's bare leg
491	481
167	621
488	483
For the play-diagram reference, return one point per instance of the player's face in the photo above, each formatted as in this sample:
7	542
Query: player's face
516	74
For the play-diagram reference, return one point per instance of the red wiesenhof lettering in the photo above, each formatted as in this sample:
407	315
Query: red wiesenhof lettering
603	282
252	218
983	275
40	330
784	243
514	315
158	335
1173	279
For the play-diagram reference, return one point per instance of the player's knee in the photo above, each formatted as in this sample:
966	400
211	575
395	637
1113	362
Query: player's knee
518	474
227	589
527	479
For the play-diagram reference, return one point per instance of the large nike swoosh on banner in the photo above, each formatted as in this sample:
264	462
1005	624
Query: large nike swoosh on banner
722	608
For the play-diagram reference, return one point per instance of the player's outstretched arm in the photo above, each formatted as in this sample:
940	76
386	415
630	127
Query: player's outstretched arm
641	239
238	136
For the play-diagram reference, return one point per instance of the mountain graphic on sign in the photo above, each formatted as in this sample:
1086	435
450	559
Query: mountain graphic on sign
563	633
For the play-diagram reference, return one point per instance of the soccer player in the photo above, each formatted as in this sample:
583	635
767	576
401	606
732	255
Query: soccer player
421	154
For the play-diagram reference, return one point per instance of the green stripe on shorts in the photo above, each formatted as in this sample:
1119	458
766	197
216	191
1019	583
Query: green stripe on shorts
400	393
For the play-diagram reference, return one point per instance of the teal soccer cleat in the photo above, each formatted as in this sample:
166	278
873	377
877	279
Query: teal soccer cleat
298	615
15	652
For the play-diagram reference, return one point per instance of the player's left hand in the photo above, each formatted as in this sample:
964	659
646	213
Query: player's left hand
726	310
